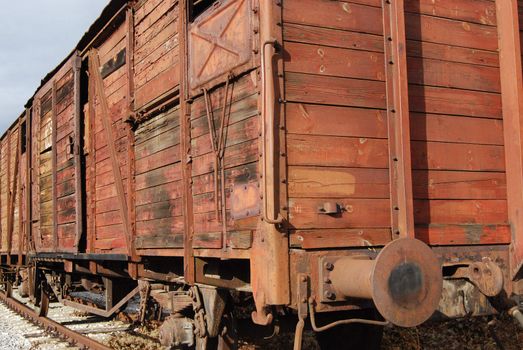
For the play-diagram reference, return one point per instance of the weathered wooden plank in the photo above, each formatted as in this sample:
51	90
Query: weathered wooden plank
160	176
160	227
336	238
435	72
308	119
337	151
167	33
464	234
331	61
156	126
315	182
429	99
332	37
243	174
448	185
452	156
243	131
159	210
210	240
450	53
157	160
238	111
354	213
243	153
474	11
206	222
170	191
335	91
334	14
450	32
460	212
174	240
157	62
165	140
445	128
162	83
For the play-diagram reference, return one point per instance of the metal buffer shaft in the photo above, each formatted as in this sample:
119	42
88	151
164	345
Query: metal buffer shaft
404	281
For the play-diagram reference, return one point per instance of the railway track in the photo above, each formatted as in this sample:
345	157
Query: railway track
61	326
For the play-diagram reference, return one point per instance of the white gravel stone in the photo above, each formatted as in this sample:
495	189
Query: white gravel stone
16	333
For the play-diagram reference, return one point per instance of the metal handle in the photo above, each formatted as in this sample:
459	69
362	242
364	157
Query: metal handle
268	115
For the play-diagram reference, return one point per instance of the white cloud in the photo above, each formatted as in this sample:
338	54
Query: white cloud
35	37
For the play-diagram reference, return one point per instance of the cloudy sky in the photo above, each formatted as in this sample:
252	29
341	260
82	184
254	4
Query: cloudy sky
35	36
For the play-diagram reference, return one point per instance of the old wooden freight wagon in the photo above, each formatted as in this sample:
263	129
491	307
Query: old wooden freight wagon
304	159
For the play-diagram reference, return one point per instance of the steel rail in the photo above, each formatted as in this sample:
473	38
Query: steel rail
50	325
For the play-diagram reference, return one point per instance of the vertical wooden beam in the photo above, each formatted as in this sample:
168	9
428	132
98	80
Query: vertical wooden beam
79	195
185	144
512	103
91	198
2	233
9	194
28	181
270	264
131	192
400	169
35	166
21	236
54	153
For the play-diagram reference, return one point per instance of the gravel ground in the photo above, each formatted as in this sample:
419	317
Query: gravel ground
464	334
19	334
16	333
502	333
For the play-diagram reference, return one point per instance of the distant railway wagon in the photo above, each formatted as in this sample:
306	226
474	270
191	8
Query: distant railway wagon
316	163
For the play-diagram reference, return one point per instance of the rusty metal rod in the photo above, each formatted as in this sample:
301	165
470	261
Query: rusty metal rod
298	335
517	314
318	329
268	118
47	323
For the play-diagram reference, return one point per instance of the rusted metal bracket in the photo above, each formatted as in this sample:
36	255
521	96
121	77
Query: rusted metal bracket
100	312
303	309
485	275
330	208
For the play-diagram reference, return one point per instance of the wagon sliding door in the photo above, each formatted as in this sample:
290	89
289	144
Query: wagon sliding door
57	197
11	182
158	168
109	219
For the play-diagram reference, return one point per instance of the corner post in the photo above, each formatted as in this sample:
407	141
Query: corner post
400	168
512	107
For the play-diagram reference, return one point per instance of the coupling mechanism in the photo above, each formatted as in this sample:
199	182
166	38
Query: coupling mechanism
404	281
